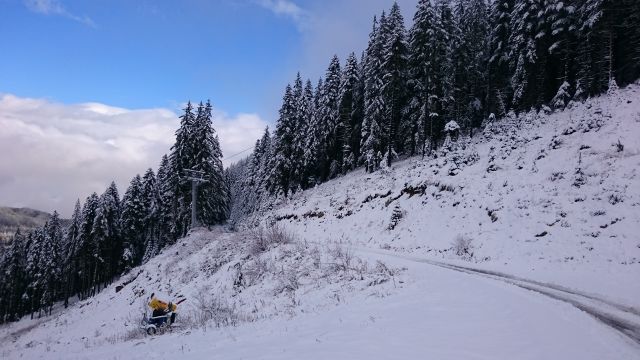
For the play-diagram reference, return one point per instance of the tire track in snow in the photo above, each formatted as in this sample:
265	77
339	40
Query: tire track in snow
623	319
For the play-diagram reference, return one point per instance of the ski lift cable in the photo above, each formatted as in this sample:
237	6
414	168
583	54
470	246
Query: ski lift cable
241	152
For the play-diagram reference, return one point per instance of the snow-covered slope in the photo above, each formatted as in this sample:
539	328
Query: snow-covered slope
422	312
227	278
552	197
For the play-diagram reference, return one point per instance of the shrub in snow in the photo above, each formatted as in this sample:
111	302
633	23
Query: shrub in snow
462	246
579	176
263	239
211	309
562	97
396	216
255	270
619	146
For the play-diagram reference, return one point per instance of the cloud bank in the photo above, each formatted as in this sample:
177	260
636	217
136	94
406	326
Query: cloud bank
54	7
52	153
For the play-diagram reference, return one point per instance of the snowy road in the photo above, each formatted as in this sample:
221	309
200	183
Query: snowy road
624	319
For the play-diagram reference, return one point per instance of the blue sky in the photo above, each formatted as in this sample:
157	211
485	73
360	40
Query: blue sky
144	53
90	90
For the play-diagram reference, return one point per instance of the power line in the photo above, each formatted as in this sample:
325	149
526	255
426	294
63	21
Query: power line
236	154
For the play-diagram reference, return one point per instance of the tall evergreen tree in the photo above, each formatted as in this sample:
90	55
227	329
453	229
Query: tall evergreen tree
349	112
374	106
133	224
107	247
14	279
150	202
166	204
499	88
331	129
213	197
420	70
283	146
395	52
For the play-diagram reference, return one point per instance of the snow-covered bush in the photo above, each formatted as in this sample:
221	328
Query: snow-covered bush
562	97
211	309
263	239
462	246
396	216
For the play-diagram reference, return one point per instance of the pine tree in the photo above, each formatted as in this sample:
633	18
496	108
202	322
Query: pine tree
441	101
166	204
51	262
395	52
374	107
420	69
70	259
349	112
299	125
499	89
331	129
33	270
87	245
213	197
266	163
470	61
305	128
283	146
314	138
132	222
107	247
150	203
181	158
13	283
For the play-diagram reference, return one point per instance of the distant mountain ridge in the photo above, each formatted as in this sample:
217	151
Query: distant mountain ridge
24	218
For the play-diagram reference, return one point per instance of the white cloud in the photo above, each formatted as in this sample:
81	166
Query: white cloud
54	7
52	153
286	8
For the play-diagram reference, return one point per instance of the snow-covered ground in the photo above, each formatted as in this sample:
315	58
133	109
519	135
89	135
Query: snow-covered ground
427	312
548	198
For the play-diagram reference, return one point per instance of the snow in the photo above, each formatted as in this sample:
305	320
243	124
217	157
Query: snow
437	313
543	197
515	192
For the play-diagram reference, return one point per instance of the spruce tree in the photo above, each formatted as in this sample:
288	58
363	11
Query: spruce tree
166	204
213	197
349	112
331	129
133	224
150	203
107	248
374	106
420	70
14	278
283	146
395	52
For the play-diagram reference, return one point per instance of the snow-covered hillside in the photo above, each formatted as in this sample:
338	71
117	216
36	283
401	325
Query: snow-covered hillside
553	197
549	198
227	278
